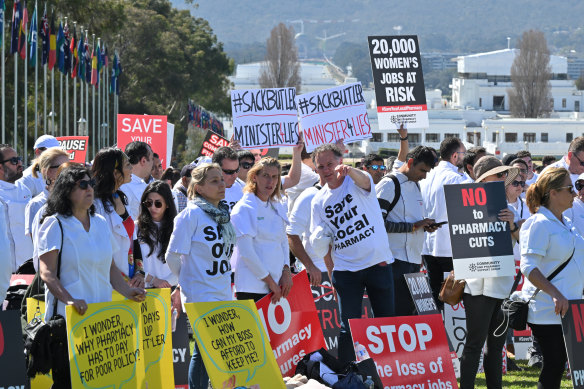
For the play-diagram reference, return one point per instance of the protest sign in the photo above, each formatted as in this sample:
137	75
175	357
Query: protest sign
151	129
211	143
407	350
75	146
169	144
292	325
332	114
421	293
481	243
573	329
234	345
264	118
181	352
522	340
328	313
12	362
399	82
105	345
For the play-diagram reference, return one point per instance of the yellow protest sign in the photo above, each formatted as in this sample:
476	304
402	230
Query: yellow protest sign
105	346
37	307
234	345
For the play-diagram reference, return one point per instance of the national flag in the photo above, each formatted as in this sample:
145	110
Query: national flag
118	74
53	44
32	38
44	33
61	48
67	48
16	13
113	81
74	54
81	61
22	31
2	12
87	61
94	75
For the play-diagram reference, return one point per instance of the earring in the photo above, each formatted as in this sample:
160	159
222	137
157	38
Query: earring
48	182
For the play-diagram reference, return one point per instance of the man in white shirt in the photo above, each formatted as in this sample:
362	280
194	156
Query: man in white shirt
15	197
359	254
179	193
574	160
531	175
246	162
402	208
141	158
471	156
375	166
156	167
227	158
437	252
7	253
307	178
37	185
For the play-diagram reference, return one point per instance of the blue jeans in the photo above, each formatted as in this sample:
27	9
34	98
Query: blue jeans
350	286
198	377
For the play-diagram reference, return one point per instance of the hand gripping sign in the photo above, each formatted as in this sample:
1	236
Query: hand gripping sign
407	350
233	344
292	325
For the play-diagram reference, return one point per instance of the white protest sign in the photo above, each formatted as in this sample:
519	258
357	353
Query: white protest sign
264	118
332	114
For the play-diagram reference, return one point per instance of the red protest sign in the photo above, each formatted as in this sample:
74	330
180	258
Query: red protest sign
151	129
211	143
76	146
407	350
292	325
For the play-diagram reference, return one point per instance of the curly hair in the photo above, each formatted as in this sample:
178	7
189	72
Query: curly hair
105	163
59	201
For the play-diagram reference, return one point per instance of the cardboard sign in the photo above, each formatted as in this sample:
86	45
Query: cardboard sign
76	146
264	118
105	345
399	82
573	328
12	362
151	129
234	345
211	143
481	243
332	114
421	293
181	352
407	350
292	325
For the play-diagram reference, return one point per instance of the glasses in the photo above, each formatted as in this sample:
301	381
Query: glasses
84	184
579	185
518	183
42	148
246	165
230	172
567	186
55	166
502	174
579	160
13	160
150	203
377	167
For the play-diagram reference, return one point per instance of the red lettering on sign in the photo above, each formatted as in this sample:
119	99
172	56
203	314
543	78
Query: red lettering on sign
472	197
578	316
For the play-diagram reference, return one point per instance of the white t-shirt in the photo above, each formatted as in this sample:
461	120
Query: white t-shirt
153	265
233	195
32	208
562	163
5	248
119	235
300	216
16	197
532	180
34	185
205	273
354	216
307	179
265	224
85	261
134	190
576	215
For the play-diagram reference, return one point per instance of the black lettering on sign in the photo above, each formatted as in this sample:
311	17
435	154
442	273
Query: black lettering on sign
263	100
348	96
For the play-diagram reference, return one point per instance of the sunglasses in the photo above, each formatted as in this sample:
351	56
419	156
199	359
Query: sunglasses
502	174
518	183
84	184
377	167
149	203
579	185
230	172
568	186
579	160
13	160
246	165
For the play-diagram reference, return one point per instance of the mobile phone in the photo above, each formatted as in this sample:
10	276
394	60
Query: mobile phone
433	225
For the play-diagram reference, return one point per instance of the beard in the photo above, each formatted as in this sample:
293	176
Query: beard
11	176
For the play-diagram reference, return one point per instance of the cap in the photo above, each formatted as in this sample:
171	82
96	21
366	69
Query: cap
46	141
489	165
187	169
201	160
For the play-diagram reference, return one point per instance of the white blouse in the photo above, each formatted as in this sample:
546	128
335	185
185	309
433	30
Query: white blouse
153	265
119	234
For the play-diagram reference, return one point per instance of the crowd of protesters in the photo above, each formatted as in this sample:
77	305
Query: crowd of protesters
235	225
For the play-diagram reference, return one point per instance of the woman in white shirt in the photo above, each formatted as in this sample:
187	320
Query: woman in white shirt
86	273
199	250
154	225
548	240
260	258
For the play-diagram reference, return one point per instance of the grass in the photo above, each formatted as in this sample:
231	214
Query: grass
520	379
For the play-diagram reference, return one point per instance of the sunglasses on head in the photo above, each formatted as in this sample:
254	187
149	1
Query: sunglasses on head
246	165
230	172
149	203
377	167
579	185
13	160
518	183
84	184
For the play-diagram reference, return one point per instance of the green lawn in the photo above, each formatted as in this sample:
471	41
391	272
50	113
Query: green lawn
520	379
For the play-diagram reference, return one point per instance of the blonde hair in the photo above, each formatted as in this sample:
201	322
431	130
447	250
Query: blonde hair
199	176
251	185
538	193
44	161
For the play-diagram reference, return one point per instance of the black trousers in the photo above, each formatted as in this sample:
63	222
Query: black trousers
553	350
404	305
436	267
250	296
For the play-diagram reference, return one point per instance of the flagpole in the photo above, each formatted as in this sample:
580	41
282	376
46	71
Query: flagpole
86	90
74	83
3	70
25	151
93	101
36	73
99	129
108	108
15	100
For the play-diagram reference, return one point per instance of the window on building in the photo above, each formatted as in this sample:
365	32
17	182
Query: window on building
576	106
499	103
510	137
564	103
480	101
569	137
414	138
494	137
529	136
544	137
446	136
552	104
393	137
376	137
432	137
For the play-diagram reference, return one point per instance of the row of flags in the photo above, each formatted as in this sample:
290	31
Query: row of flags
71	55
199	117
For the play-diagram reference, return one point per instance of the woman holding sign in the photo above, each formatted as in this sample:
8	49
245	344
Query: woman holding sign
75	259
550	242
260	259
199	250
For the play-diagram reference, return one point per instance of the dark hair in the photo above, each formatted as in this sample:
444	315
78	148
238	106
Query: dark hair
2	148
508	158
548	160
59	201
224	152
148	232
155	155
171	174
305	154
523	154
326	147
245	154
423	154
519	161
577	144
372	157
136	150
106	161
448	147
470	157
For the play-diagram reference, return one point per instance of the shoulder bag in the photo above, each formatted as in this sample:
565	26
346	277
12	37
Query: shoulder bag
452	290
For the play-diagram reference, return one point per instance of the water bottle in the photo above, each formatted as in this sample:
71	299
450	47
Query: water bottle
369	384
361	352
174	316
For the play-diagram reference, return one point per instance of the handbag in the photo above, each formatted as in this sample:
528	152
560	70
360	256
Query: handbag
452	290
45	341
516	311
